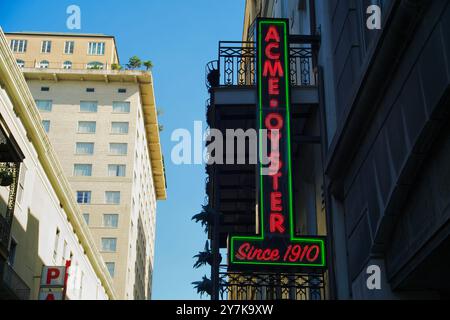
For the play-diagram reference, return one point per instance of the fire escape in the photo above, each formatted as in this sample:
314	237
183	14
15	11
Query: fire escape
231	188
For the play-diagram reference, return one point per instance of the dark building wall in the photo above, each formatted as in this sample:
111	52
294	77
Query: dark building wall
382	144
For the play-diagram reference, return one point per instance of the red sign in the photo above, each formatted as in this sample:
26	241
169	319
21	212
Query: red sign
54	282
276	243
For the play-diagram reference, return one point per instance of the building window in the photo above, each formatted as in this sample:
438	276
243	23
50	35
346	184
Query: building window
118	149
44	105
87	126
109	244
88	106
117	170
122	90
96	48
111	220
44	64
82	170
56	245
95	65
67	65
112	197
119	127
68	47
45	89
111	266
20	63
12	252
20	187
86	217
121	107
19	46
85	148
46	46
46	125
63	257
84	197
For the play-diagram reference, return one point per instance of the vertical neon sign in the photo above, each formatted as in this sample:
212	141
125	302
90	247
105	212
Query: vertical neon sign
276	244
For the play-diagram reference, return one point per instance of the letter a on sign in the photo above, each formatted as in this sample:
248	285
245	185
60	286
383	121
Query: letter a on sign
276	245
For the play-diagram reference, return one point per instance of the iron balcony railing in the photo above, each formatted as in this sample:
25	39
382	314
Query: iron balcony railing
68	65
236	65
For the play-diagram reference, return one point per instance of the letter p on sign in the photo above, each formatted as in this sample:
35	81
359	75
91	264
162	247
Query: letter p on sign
53	277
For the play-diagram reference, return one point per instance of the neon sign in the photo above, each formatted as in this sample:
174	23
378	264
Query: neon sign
276	243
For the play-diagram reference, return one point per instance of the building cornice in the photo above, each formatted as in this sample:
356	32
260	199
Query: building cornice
24	106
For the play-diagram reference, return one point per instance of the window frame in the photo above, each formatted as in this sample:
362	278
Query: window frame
46	46
113	193
70	44
86	102
112	239
84	154
87	165
120	123
125	153
18	45
94	131
118	168
49	102
115	103
96	48
84	193
114	225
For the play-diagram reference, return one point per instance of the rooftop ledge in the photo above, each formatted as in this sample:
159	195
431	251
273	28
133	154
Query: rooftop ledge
145	81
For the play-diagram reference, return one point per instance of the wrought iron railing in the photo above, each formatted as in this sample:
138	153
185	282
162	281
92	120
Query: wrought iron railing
14	283
272	286
68	65
236	65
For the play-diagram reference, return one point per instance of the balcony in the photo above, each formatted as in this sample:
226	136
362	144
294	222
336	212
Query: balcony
69	65
231	82
231	79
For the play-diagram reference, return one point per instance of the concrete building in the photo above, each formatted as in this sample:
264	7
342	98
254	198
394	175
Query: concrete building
378	184
40	221
103	124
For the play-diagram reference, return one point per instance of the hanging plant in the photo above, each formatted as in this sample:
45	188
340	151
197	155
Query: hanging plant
6	178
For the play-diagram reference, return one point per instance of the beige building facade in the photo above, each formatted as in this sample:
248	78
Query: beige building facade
103	124
63	50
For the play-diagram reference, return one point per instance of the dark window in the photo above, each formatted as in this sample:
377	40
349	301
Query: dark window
90	90
12	252
122	90
45	89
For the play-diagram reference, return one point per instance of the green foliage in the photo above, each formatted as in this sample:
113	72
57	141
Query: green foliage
148	64
116	66
134	63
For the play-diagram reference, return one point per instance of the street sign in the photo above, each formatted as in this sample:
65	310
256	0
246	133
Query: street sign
53	276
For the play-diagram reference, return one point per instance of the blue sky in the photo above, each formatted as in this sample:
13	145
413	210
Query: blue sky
180	37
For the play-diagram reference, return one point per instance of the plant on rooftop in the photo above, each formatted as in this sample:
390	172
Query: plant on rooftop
134	63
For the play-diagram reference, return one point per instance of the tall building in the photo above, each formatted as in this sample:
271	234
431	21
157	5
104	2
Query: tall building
370	84
102	122
41	224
